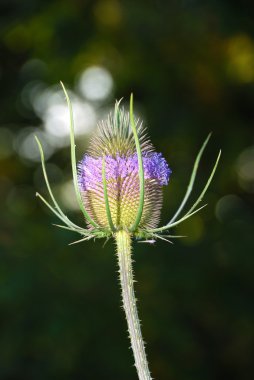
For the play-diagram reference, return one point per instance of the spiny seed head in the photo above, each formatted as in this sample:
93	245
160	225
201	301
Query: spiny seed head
113	146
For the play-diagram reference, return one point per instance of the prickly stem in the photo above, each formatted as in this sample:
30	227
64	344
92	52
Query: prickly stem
123	241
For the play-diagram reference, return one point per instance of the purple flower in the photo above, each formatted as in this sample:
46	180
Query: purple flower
120	167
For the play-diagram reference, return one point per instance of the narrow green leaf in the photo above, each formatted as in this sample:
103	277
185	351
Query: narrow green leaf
80	231
81	240
53	210
173	236
48	185
191	182
161	237
167	227
74	163
207	184
110	222
140	169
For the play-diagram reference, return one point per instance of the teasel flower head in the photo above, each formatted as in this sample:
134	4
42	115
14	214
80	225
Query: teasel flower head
113	151
119	181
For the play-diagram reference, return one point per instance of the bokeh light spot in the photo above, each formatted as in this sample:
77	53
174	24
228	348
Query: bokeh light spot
227	207
18	39
245	169
57	121
25	144
33	69
95	83
50	105
68	197
108	13
240	54
6	138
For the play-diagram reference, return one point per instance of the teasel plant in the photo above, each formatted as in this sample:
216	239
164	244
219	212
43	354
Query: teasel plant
118	186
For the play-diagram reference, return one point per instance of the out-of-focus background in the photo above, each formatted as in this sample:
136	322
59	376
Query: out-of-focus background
190	64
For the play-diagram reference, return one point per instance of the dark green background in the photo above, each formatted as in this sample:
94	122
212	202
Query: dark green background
190	64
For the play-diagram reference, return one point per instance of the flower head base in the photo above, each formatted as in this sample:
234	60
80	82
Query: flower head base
118	183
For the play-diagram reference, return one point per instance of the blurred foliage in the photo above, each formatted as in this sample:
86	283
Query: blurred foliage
190	64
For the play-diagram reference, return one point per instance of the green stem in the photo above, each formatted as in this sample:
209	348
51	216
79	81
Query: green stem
123	240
